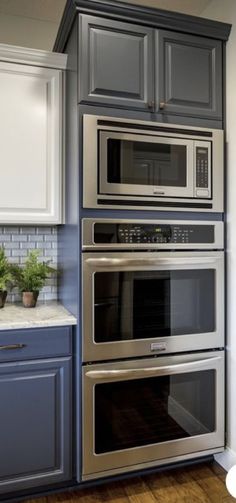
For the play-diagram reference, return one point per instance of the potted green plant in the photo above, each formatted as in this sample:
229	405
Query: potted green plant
6	277
31	277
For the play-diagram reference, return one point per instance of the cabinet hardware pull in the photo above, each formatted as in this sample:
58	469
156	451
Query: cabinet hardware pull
162	105
151	105
104	262
12	346
152	371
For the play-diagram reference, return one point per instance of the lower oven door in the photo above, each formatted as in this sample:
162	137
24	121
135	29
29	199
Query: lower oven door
144	413
137	304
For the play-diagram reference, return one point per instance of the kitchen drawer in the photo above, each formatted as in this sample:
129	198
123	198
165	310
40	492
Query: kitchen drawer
35	343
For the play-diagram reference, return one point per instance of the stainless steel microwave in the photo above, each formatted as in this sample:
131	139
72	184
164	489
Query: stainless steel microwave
148	165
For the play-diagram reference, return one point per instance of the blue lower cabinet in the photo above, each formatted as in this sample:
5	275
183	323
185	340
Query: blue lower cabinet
35	423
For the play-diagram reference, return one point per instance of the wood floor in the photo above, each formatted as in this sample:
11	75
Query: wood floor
203	483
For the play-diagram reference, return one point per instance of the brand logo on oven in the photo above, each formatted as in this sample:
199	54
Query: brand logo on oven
158	346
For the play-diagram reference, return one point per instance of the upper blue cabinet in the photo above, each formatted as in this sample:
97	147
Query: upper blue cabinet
155	64
115	63
135	67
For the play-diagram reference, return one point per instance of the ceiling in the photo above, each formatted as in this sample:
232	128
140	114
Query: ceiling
51	10
193	7
47	10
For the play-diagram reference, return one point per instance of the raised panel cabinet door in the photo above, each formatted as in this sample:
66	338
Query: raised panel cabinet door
30	144
188	75
116	63
35	423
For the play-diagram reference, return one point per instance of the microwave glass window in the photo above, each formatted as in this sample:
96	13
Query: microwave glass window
143	163
146	411
143	304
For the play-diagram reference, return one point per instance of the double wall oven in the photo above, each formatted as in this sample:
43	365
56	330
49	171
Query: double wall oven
153	325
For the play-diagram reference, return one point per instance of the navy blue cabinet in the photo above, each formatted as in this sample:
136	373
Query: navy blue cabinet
35	421
137	67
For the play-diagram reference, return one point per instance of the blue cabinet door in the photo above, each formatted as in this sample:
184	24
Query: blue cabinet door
188	75
115	63
35	423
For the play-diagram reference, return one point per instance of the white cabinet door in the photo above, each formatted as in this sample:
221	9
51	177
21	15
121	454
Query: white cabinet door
30	144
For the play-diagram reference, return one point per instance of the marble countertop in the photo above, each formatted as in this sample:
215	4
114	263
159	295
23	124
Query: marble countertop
49	314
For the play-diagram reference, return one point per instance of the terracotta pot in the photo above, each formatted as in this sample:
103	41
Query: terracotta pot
29	299
3	296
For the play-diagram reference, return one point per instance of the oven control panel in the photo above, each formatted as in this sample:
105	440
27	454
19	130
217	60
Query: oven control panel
143	233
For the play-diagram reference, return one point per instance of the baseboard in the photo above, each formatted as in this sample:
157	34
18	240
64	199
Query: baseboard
226	459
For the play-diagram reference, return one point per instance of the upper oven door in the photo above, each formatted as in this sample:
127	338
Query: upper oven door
145	165
137	304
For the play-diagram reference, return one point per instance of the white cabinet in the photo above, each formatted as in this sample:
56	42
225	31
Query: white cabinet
31	138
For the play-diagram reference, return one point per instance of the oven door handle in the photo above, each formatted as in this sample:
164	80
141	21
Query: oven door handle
101	262
149	371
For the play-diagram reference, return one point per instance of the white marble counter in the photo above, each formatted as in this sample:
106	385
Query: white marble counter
49	314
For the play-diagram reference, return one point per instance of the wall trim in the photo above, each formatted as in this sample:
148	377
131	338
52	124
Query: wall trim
35	57
226	459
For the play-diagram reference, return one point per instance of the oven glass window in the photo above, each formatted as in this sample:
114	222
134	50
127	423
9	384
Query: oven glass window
146	411
144	304
143	163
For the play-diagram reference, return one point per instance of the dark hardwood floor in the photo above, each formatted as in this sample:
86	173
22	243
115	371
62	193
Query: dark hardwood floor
203	483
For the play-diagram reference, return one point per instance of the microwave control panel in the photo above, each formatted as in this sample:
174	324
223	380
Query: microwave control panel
202	167
142	233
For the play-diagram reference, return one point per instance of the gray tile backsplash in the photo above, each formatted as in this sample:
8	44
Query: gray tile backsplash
19	241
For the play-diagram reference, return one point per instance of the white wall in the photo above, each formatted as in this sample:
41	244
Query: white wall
27	32
225	10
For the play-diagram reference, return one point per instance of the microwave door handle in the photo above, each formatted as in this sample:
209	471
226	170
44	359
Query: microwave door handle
100	262
149	372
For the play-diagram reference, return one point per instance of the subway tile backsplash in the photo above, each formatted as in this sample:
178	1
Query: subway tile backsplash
19	241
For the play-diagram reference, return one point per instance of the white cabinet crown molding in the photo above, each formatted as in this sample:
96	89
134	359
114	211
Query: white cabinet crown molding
35	57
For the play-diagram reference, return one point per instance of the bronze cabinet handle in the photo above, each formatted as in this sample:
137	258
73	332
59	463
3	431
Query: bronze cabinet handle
12	346
162	105
151	105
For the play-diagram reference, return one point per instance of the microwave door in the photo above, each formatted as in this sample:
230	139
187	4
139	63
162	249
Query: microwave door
139	165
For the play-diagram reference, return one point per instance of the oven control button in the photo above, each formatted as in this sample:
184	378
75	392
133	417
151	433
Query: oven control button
158	346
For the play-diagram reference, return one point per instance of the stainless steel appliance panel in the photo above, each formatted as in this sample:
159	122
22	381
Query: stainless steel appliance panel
145	412
178	234
201	191
142	303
